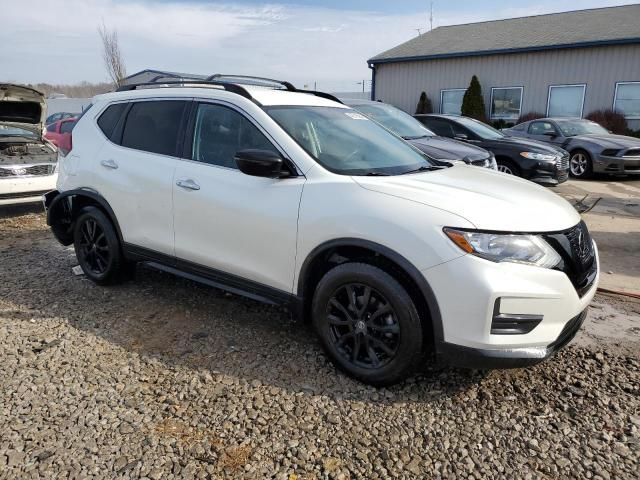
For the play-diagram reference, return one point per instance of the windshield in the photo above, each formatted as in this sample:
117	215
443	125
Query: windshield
572	128
346	142
480	129
395	120
11	131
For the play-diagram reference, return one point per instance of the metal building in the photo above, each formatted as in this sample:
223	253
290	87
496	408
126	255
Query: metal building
563	64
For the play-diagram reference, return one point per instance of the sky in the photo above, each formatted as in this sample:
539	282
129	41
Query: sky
307	42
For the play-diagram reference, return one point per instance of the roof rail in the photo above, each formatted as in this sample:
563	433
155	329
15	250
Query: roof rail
256	81
214	80
230	87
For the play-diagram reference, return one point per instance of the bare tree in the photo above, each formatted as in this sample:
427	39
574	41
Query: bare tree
112	55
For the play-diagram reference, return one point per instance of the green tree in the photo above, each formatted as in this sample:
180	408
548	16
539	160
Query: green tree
424	104
472	102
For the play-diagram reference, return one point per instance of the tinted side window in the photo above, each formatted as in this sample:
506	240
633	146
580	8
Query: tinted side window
540	128
220	132
440	127
153	126
109	118
51	128
66	127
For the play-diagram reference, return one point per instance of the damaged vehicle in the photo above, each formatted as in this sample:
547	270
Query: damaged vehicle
28	162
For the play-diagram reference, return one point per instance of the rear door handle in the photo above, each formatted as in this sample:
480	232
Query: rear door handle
188	184
109	164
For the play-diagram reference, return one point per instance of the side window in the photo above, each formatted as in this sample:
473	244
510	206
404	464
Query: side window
109	118
460	130
220	132
540	128
51	128
153	126
440	127
66	127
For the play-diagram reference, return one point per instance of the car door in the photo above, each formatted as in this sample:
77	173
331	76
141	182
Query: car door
543	131
226	222
134	170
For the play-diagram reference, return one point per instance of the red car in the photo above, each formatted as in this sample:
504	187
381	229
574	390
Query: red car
59	133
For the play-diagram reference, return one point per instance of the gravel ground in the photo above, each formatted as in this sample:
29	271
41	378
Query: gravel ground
163	378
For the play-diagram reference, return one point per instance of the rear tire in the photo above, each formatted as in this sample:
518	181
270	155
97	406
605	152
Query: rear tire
367	323
98	249
580	164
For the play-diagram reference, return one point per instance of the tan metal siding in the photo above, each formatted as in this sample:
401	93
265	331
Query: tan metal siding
400	84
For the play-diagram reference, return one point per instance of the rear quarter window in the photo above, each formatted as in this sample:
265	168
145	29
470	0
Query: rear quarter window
153	126
109	118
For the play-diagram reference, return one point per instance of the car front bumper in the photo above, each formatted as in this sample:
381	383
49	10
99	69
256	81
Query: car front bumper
617	165
472	292
14	190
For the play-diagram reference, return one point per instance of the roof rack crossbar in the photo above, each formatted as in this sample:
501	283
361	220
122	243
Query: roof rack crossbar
230	87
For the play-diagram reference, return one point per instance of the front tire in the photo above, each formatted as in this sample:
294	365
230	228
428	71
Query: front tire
580	164
98	249
367	323
508	167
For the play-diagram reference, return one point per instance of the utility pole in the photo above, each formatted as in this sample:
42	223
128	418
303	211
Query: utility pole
431	17
419	30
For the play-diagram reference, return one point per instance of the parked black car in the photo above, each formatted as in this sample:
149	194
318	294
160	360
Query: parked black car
537	161
591	147
414	132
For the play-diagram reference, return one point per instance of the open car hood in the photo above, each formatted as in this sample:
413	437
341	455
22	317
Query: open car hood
22	107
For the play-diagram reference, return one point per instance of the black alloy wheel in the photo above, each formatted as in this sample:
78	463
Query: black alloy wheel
98	249
368	323
93	247
364	326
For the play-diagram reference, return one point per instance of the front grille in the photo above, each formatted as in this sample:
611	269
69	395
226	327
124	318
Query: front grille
563	162
632	152
27	170
575	247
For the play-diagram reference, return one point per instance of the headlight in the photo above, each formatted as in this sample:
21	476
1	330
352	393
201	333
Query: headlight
493	165
506	247
539	156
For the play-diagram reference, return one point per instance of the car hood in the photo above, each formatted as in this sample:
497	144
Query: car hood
23	107
448	149
488	199
608	140
520	142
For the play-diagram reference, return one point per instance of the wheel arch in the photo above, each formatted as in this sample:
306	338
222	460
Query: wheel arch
65	207
335	252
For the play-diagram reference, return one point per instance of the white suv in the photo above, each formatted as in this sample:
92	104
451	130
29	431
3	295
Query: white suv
290	197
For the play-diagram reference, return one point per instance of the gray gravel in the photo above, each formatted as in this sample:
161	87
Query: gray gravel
163	378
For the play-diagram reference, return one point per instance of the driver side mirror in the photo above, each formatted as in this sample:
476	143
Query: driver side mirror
260	163
461	136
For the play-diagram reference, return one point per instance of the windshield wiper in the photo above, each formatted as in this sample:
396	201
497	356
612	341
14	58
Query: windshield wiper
427	168
376	174
415	137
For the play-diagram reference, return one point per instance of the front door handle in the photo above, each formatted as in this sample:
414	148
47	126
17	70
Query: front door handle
109	164
188	184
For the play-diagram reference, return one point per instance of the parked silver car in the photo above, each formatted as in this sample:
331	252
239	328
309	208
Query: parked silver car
592	148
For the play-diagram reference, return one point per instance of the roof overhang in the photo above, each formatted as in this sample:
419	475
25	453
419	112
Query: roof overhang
503	51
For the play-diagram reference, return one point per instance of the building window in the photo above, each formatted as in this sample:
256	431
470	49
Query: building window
627	99
565	100
451	101
506	103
